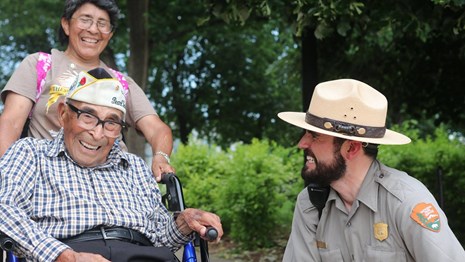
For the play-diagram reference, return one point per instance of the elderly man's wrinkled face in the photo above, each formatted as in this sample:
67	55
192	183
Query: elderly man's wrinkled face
88	147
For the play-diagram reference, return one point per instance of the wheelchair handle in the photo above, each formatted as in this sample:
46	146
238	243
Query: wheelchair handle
7	243
211	233
174	195
168	178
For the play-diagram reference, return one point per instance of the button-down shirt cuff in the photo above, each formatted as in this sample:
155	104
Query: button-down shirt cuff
179	238
48	249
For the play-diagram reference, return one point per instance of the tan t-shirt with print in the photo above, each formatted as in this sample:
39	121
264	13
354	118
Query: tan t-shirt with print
61	74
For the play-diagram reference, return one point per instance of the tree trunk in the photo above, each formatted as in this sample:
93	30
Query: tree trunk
309	66
309	71
138	62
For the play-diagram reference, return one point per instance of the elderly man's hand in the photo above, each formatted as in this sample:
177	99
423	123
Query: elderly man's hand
197	220
71	256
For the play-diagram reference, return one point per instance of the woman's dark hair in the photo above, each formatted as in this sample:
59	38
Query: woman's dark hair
72	5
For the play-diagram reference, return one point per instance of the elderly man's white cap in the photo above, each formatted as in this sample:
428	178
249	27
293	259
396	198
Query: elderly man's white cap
103	92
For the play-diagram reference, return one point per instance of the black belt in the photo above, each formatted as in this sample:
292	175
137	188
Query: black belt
111	233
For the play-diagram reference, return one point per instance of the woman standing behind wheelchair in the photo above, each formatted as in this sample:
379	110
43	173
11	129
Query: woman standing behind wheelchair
86	28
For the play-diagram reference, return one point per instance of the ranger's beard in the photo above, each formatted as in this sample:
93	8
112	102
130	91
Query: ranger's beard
324	174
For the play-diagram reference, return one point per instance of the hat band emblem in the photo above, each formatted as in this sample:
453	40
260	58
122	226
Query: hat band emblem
344	127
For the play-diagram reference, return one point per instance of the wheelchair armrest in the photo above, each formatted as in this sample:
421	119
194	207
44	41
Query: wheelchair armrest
175	202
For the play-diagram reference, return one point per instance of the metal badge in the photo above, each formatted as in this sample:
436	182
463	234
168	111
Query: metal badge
381	231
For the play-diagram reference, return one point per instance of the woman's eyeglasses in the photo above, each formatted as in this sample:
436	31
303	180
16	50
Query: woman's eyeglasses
85	22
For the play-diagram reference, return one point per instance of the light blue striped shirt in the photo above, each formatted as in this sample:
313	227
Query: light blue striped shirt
45	196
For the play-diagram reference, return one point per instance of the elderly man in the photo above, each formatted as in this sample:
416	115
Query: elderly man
371	212
79	197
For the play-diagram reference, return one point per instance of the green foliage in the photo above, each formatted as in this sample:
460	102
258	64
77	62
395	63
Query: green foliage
26	26
257	183
206	73
235	11
427	156
201	168
391	45
326	16
251	186
219	77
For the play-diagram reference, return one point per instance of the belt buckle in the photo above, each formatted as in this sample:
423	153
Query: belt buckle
104	234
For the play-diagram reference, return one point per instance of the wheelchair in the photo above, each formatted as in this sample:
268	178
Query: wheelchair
173	200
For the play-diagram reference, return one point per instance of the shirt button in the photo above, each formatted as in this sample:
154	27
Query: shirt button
349	224
381	175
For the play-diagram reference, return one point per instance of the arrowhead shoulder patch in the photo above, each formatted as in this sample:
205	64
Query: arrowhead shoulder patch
426	215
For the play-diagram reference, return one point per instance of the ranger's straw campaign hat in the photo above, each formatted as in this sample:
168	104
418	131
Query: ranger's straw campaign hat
348	109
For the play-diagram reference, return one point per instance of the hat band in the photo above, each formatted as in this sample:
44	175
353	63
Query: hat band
344	127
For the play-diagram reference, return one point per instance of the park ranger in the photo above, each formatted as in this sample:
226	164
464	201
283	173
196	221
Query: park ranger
371	212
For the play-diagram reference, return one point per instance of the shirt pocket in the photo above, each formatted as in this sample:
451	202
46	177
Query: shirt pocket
334	255
375	254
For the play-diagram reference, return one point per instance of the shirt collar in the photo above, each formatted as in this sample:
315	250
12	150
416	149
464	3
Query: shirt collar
368	193
116	156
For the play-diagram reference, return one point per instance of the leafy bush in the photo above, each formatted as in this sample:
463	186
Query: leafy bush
251	186
200	168
255	192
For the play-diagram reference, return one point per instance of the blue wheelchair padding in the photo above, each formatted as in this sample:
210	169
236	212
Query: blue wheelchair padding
12	258
189	253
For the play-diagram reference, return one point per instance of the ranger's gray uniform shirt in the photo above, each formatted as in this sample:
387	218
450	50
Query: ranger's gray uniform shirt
394	218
